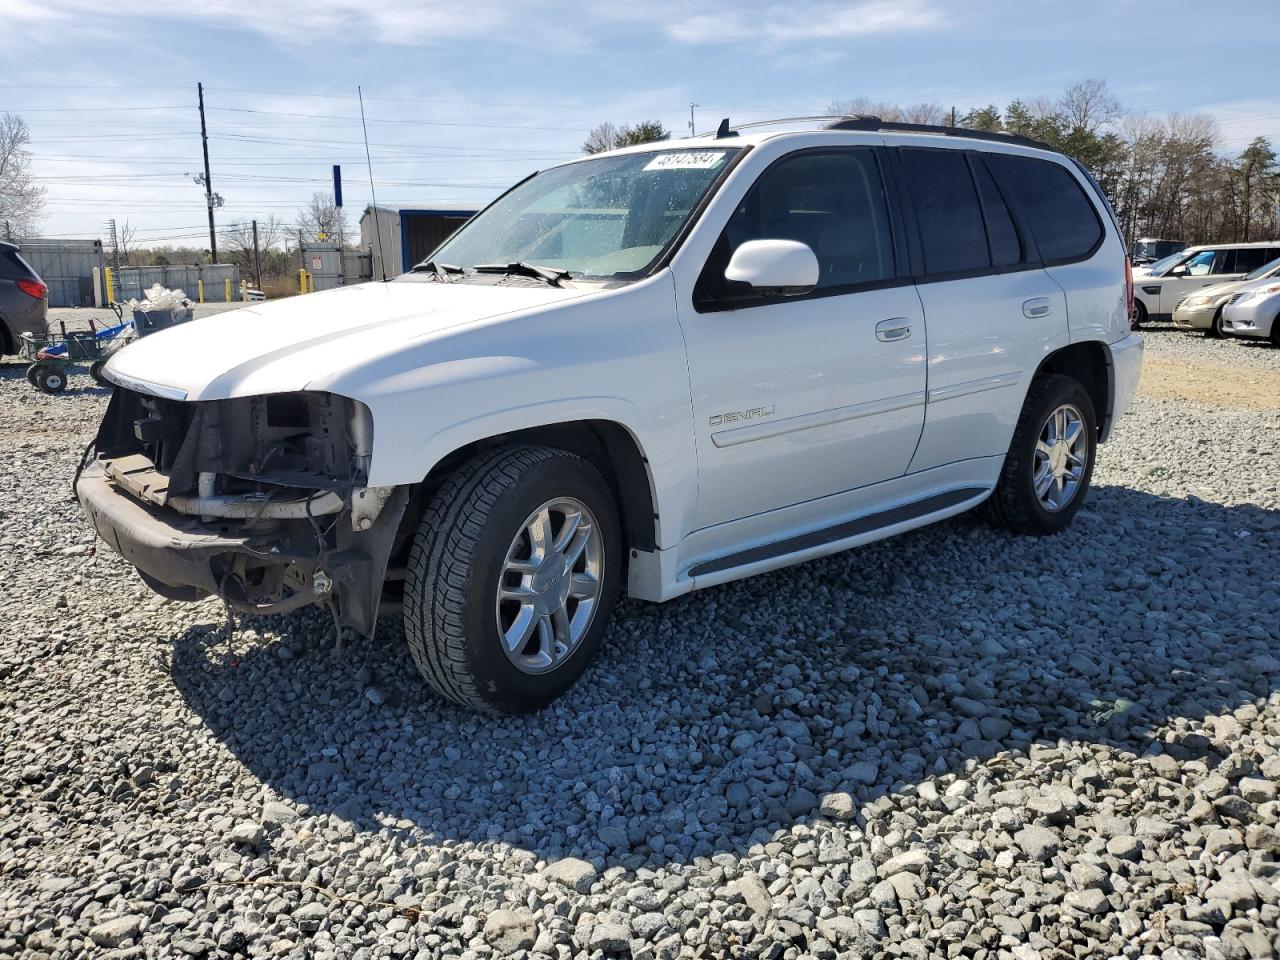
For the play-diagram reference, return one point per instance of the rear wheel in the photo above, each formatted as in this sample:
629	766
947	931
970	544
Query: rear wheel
1050	461
512	576
31	373
51	380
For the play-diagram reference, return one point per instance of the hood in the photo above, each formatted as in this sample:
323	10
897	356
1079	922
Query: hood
1215	289
286	345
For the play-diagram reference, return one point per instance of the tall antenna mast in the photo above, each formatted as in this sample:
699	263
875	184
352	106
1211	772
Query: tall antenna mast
377	227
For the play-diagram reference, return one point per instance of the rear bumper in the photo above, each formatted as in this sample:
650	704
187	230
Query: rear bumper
1126	371
26	316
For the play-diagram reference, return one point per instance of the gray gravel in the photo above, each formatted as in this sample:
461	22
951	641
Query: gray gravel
952	744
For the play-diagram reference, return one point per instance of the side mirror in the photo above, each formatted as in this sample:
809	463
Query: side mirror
1179	271
774	267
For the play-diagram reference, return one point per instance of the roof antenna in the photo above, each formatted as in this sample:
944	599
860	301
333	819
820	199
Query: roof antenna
377	227
723	130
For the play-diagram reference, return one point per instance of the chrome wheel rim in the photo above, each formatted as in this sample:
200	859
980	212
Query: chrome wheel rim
1061	455
549	586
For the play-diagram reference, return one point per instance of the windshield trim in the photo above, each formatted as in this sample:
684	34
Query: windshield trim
735	152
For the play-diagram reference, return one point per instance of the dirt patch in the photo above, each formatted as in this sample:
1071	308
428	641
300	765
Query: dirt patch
1209	383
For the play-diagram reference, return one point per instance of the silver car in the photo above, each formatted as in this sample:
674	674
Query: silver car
1252	311
1203	309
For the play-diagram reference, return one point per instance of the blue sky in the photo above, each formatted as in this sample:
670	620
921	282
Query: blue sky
464	98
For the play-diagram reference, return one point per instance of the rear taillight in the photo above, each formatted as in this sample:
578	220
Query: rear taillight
33	288
1128	288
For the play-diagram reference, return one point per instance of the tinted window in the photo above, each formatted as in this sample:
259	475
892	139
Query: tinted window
12	266
833	202
1246	260
1062	220
947	211
1006	248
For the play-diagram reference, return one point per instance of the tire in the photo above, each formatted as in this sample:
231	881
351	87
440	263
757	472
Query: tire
51	380
474	524
31	373
95	371
1214	330
1015	504
1139	315
1275	331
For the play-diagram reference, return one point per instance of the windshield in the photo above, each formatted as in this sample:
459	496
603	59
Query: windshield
1160	266
609	218
1266	270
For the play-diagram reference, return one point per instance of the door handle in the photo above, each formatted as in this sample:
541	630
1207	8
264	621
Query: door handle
898	328
1036	307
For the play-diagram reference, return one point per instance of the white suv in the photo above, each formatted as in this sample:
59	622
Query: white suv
657	369
1161	286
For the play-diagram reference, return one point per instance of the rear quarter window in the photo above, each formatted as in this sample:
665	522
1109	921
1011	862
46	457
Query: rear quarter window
1061	217
12	266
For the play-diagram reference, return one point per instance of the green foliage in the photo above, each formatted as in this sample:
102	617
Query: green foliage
610	137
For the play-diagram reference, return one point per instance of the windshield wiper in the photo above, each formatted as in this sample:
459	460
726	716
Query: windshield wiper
522	268
440	270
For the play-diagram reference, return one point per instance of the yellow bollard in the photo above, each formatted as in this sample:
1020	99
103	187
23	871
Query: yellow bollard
111	286
200	291
227	282
302	280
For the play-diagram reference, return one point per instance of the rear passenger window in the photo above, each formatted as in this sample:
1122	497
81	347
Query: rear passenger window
947	211
11	267
1062	220
1246	259
1006	248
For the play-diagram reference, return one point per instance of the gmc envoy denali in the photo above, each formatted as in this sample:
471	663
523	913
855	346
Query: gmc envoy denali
656	369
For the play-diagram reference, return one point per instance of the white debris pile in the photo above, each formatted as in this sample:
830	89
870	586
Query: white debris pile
162	298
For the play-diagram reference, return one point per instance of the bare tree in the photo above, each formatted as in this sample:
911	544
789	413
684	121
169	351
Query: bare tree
322	220
610	137
21	198
125	234
1088	105
236	242
932	113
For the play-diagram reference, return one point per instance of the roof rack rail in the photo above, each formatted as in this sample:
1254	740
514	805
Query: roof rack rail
876	125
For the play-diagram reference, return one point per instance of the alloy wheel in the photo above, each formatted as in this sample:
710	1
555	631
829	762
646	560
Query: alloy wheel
1061	455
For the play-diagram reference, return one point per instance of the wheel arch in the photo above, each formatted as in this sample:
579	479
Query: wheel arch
607	445
1089	363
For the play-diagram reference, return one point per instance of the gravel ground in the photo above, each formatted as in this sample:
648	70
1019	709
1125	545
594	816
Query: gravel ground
953	744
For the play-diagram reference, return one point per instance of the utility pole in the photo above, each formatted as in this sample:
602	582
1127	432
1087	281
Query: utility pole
953	116
692	130
257	259
208	179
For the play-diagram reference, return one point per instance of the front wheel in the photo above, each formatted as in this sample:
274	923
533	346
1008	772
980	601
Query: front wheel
1050	460
1214	330
1139	315
512	576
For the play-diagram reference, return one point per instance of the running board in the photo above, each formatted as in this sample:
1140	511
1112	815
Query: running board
841	531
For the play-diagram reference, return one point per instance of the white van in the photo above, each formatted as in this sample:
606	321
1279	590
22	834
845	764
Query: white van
657	369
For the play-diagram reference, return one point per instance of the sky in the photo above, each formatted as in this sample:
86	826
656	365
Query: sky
462	99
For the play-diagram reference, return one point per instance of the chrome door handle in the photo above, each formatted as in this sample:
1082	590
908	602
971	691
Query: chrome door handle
1036	307
898	328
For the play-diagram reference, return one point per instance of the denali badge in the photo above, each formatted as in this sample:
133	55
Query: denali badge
736	416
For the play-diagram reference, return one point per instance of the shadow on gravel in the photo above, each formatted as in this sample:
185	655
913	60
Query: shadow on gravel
709	723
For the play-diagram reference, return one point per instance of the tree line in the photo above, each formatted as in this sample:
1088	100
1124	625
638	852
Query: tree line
1166	176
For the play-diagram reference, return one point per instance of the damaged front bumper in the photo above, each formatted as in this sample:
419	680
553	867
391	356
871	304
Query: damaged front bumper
229	529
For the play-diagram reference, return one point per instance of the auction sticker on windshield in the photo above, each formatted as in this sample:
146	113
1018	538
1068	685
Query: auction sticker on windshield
690	160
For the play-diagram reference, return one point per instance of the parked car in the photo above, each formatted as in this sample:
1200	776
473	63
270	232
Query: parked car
1203	309
1160	287
1252	311
24	300
1150	249
656	369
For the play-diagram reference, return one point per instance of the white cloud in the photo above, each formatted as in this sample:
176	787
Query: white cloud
781	23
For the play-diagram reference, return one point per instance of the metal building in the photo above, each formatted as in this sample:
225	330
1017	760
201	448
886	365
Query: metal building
408	234
67	268
330	266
